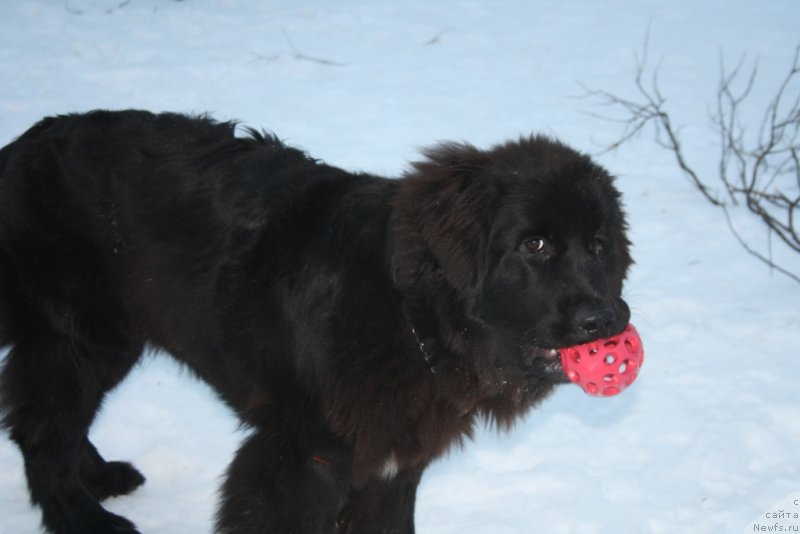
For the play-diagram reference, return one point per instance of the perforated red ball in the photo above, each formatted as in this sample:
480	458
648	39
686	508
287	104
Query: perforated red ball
607	366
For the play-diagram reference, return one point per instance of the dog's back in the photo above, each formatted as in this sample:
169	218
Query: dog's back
121	229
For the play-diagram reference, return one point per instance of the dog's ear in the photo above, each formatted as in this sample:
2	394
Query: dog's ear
443	215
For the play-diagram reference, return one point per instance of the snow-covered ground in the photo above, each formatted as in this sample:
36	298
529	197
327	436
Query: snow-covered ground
708	437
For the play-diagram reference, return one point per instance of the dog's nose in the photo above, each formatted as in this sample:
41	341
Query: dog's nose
593	322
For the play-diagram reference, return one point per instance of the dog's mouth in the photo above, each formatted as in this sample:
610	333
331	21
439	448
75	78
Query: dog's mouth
544	363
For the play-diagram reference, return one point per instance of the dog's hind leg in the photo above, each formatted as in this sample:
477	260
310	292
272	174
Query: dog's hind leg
50	389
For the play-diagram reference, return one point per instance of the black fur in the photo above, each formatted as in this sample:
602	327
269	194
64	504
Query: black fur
359	325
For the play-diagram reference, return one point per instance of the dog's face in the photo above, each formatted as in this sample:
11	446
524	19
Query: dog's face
556	258
532	235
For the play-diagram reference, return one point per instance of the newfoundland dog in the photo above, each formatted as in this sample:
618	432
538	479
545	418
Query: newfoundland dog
358	325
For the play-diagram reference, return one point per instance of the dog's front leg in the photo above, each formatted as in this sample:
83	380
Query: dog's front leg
277	485
384	505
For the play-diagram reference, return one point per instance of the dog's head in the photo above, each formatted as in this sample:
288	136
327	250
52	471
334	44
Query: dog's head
529	239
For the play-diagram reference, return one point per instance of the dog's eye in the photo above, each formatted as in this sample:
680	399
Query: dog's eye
598	246
535	245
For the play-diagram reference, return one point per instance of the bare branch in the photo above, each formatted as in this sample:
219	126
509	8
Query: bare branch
760	171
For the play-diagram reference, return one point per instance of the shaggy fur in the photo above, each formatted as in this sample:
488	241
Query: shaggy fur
359	325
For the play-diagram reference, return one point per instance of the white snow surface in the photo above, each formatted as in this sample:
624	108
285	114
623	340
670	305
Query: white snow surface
708	437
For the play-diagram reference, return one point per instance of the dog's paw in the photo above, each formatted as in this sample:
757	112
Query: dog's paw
81	514
112	479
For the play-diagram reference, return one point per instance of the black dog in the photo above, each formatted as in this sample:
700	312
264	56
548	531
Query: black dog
359	325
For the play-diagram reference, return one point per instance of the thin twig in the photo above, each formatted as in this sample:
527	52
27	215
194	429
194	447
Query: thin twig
754	252
299	56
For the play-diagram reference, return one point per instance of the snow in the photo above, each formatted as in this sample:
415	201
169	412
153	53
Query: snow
707	438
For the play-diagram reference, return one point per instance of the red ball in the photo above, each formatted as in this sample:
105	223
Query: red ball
605	367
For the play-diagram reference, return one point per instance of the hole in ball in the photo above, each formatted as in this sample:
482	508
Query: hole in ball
574	376
610	358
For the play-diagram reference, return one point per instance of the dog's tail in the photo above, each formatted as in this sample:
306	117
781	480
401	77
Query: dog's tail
6	288
11	300
6	284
